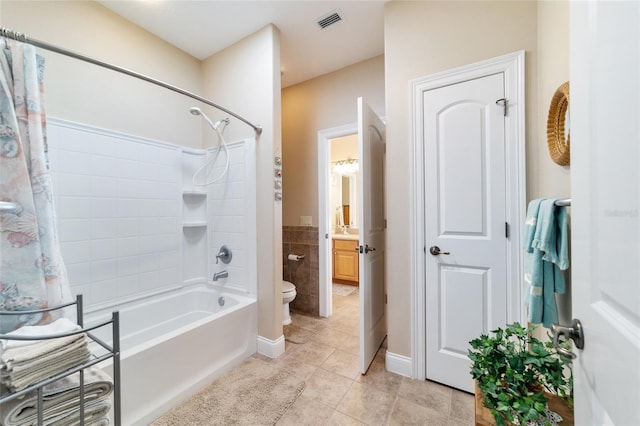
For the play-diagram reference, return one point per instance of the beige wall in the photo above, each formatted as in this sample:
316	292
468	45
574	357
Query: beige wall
324	102
245	78
86	93
344	148
550	179
422	38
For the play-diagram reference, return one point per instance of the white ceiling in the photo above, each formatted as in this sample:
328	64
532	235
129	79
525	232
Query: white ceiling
204	27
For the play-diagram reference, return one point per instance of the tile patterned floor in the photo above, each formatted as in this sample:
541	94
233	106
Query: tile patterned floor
324	352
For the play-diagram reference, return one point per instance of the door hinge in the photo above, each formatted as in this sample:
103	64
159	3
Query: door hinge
506	229
504	103
385	224
385	299
384	148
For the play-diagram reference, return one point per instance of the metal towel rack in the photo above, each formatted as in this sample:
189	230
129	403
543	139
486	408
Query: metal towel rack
112	352
9	208
565	202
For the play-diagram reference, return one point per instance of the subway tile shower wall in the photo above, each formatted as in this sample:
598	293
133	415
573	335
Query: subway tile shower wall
230	219
119	206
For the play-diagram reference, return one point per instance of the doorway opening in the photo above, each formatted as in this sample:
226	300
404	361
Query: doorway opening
343	213
338	203
370	222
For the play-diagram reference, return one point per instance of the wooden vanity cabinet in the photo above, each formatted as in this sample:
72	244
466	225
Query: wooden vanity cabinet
345	262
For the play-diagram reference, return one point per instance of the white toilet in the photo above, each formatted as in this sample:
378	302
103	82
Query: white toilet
288	294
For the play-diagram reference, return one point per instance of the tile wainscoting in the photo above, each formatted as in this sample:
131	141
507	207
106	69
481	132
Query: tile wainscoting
304	273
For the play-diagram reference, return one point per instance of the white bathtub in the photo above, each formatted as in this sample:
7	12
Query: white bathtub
175	344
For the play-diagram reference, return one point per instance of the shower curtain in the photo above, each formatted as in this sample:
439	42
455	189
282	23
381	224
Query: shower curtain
32	273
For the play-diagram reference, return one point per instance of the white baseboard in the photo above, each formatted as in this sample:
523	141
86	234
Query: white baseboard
399	364
271	348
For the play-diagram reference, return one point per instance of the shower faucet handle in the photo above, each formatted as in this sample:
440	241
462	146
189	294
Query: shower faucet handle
224	254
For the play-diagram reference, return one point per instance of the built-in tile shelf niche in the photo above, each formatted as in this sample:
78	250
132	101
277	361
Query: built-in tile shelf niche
194	219
194	210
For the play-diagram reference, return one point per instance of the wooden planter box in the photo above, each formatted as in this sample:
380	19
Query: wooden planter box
556	404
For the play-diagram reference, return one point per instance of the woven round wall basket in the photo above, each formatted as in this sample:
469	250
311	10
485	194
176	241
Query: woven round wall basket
558	138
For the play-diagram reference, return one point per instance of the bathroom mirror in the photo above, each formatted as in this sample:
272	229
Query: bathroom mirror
558	126
344	183
346	209
350	199
344	200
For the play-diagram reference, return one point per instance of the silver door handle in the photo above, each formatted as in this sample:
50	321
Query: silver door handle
365	249
575	333
435	250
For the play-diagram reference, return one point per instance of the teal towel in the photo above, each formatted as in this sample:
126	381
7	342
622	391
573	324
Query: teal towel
530	224
551	235
546	247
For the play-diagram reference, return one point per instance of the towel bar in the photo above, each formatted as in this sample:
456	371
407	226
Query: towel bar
7	207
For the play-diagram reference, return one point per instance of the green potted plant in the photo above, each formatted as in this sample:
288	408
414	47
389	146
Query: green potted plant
516	372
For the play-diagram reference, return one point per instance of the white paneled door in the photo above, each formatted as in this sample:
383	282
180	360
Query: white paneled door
605	184
465	221
373	323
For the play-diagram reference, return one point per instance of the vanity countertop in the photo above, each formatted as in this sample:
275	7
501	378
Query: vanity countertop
353	237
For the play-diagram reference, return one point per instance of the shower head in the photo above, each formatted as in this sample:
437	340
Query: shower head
218	127
214	126
198	111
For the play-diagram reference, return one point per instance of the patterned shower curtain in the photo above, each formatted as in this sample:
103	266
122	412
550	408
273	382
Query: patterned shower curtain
32	273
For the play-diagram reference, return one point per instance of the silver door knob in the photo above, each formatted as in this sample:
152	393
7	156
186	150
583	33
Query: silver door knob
435	250
574	333
367	249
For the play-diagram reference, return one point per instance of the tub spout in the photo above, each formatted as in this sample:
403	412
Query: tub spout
221	274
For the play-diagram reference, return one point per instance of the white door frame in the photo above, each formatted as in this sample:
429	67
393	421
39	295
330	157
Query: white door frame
512	65
324	219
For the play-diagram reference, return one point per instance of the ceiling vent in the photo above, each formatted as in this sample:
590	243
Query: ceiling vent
330	18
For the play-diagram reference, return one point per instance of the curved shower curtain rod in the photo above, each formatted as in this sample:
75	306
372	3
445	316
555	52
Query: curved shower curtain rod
14	35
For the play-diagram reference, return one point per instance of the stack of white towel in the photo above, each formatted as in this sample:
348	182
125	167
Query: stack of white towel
24	363
61	402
